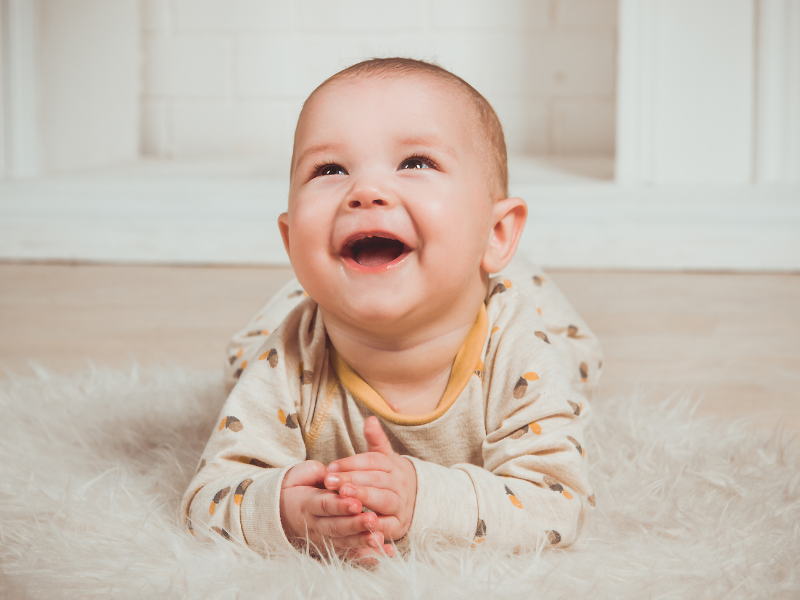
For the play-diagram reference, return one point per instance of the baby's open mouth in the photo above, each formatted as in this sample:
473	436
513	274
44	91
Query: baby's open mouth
374	250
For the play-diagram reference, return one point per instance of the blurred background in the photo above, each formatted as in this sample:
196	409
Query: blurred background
647	134
145	144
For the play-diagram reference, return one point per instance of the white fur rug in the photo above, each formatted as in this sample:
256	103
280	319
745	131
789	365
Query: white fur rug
94	464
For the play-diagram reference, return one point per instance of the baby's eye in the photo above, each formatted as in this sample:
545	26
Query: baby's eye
329	169
416	162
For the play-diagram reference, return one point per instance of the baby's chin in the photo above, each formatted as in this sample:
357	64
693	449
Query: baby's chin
378	310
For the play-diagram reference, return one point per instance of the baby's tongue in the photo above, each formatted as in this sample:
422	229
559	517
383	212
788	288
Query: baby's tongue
374	257
376	251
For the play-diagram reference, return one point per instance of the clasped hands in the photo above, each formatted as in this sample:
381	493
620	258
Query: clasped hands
324	505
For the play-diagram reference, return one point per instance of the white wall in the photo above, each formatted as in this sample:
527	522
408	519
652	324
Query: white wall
90	84
228	77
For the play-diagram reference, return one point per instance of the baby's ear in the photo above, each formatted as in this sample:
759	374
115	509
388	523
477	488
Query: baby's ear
508	221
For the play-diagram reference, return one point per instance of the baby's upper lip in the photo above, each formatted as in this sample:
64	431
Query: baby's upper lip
360	235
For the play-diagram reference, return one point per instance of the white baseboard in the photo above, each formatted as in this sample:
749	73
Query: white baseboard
232	220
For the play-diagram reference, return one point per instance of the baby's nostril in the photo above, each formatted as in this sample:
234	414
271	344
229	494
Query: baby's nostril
379	202
354	203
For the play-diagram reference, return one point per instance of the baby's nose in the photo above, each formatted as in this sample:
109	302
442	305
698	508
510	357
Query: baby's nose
366	203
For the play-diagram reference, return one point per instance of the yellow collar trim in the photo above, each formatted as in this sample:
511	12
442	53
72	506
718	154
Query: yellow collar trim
464	365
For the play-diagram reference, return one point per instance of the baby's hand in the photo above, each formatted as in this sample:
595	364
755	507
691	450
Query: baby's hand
322	517
381	480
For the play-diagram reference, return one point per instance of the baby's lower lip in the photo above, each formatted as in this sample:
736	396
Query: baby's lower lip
378	268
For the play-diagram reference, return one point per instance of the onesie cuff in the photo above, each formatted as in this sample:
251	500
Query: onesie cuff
261	515
446	503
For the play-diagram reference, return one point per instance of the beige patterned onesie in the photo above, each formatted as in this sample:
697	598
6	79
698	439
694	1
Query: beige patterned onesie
501	460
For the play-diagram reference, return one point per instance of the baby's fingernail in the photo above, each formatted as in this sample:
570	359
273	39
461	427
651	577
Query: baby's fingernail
333	480
333	467
346	490
354	510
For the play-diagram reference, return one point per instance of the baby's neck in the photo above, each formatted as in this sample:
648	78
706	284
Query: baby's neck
410	373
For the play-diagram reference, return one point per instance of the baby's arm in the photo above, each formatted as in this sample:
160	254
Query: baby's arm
253	484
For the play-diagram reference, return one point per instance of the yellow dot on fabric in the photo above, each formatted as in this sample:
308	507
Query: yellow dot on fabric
535	427
282	416
495	329
531	376
539	310
507	283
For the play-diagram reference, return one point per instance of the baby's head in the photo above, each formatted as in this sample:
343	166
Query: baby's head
398	206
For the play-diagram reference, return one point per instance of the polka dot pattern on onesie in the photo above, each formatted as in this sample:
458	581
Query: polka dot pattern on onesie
514	500
217	499
522	384
271	356
231	423
289	420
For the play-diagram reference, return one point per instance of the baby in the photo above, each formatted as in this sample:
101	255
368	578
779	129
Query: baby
403	389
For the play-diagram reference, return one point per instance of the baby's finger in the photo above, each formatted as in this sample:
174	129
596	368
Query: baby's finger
379	500
310	473
338	527
376	437
368	461
327	504
366	540
376	479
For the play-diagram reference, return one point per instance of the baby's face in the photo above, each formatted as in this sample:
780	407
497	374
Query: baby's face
389	205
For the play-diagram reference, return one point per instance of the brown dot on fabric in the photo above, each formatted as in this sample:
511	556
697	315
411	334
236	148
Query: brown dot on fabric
289	420
542	336
234	357
307	377
576	408
572	331
271	356
257	332
551	482
576	444
240	370
480	530
591	500
221	532
520	388
584	369
520	432
240	489
538	280
514	500
231	423
255	462
217	499
554	537
498	289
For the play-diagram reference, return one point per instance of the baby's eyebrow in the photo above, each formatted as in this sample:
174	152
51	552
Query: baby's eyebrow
428	141
318	149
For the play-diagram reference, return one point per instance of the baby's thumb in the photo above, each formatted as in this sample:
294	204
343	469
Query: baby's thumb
376	438
309	472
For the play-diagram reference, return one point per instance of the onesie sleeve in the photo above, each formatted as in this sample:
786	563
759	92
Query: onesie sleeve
568	332
246	342
258	437
533	486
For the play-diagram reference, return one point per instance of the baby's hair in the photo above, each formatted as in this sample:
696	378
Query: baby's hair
487	123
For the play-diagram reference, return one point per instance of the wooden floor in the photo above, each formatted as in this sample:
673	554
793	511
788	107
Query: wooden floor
733	341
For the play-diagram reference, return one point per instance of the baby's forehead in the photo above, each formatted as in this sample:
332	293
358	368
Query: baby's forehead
403	84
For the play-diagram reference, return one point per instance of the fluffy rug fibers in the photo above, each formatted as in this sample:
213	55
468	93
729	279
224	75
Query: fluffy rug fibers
93	465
